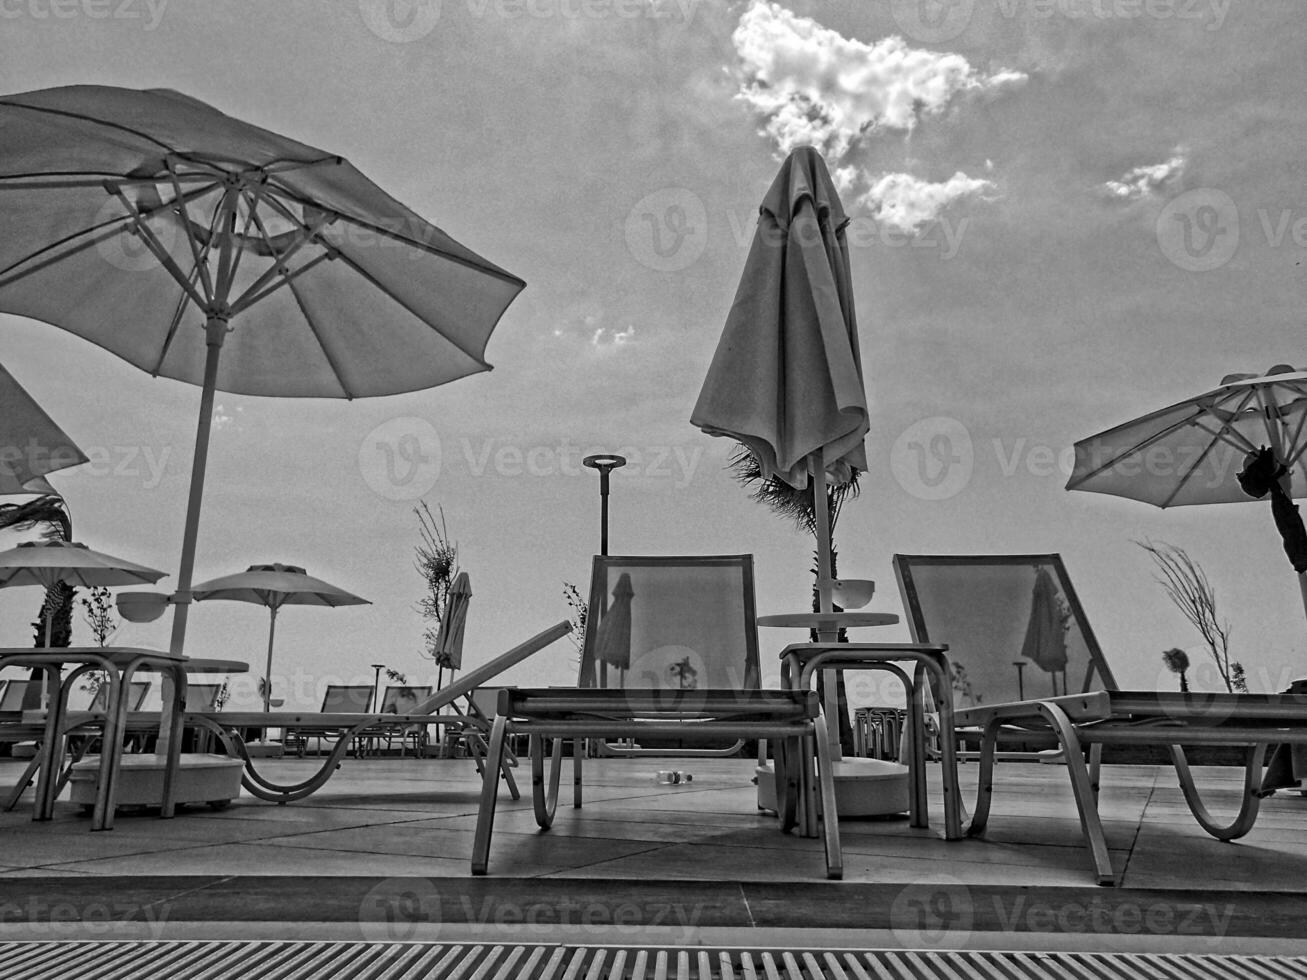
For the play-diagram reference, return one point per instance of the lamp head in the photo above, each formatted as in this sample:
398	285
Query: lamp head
604	462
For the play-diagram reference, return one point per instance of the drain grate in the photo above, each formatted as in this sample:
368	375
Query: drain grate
220	960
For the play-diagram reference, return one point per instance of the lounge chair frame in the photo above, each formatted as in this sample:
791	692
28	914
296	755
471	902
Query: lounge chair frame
793	718
226	725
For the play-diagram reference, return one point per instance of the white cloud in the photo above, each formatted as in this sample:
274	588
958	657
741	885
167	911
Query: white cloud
609	337
905	202
814	86
1140	181
223	418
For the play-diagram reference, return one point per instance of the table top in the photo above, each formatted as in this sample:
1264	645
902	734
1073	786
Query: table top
119	656
830	620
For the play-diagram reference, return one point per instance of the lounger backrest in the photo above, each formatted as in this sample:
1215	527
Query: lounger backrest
140	689
671	623
348	697
401	699
1013	624
202	697
12	698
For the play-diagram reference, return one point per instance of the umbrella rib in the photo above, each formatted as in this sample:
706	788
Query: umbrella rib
480	266
264	285
91	179
109	227
156	247
173	326
202	268
248	298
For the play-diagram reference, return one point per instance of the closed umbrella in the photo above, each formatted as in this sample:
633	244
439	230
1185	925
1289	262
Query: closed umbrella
786	379
203	248
613	642
1243	439
1045	641
47	562
31	444
448	651
275	586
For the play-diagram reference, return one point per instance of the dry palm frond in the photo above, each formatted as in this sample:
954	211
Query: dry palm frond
796	506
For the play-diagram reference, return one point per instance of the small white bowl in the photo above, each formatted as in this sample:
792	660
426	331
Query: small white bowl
852	593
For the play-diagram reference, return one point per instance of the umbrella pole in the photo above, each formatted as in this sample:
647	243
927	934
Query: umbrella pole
822	518
215	332
267	669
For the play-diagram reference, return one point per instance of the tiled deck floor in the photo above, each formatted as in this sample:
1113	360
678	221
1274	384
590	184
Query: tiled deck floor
382	853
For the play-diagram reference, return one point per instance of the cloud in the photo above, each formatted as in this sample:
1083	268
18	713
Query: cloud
905	202
609	337
223	418
1141	181
814	86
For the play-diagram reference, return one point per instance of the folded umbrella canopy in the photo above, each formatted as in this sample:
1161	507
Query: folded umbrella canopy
47	562
613	642
786	379
1241	440
275	586
31	444
206	249
1045	640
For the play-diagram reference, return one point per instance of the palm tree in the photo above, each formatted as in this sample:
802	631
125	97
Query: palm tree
50	513
799	507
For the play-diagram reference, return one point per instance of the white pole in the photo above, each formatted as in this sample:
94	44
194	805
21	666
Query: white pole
267	669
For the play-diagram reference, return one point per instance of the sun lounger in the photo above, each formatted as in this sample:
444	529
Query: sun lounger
669	661
434	710
995	611
1084	723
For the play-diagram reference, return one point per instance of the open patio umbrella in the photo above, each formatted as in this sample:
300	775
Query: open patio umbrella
786	379
275	586
1241	440
31	444
206	249
47	562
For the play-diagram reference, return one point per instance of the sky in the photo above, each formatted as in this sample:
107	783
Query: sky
1064	214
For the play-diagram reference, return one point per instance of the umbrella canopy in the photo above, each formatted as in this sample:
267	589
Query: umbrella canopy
1241	440
31	444
1045	642
275	586
154	225
46	562
1191	452
786	379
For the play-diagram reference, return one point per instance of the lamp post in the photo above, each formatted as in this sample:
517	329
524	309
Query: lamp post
605	463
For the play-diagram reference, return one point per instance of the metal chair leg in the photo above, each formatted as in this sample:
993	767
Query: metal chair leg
489	796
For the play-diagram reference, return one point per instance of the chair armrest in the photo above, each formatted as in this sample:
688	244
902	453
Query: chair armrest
1079	708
